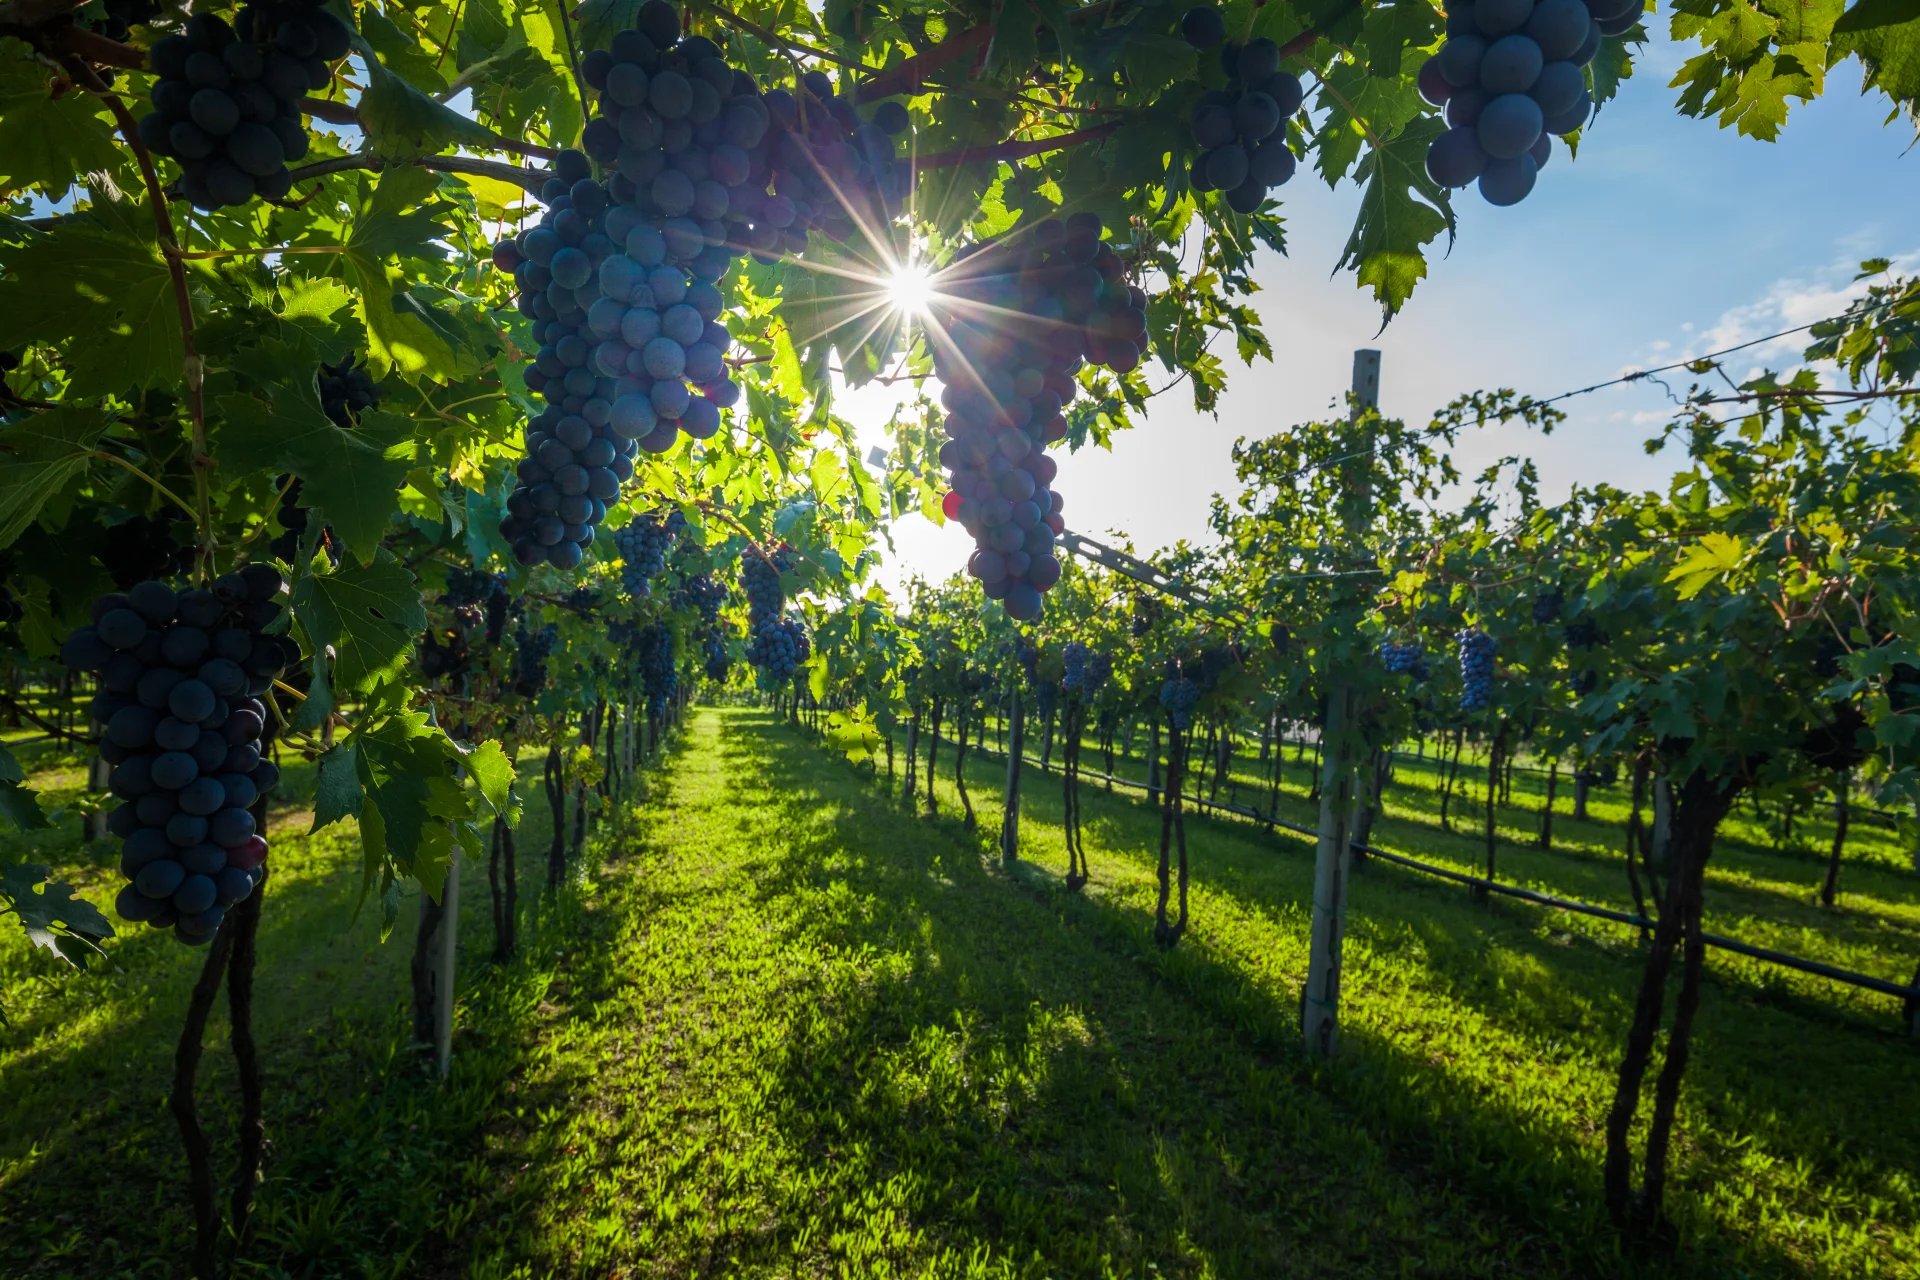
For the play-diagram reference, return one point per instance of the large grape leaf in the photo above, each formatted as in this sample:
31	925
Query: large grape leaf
54	917
40	455
1757	55
18	804
1885	36
410	799
47	139
400	218
102	297
1401	212
350	477
369	614
491	773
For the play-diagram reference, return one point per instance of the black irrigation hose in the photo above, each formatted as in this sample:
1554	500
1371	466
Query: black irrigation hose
1865	981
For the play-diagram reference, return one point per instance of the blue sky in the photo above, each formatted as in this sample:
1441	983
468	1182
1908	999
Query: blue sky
1667	237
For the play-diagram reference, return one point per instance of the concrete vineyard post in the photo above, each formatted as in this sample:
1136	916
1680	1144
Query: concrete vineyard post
1320	1000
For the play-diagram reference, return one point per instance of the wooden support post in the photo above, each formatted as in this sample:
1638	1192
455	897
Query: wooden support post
1016	744
1320	1000
443	968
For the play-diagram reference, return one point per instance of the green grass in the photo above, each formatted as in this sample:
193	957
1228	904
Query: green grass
784	1027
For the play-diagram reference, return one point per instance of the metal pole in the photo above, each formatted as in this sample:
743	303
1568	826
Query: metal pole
444	966
1320	999
1016	743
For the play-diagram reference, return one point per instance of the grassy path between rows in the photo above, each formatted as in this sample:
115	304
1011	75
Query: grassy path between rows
783	1027
830	1039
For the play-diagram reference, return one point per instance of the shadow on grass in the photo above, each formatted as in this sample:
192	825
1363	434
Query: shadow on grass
1566	995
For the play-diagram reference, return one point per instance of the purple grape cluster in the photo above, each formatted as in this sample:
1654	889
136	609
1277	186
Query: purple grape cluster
1099	671
1019	317
578	453
1073	667
1241	130
181	677
1510	73
777	650
829	170
718	663
1404	660
1476	669
658	674
226	99
643	548
530	653
1178	697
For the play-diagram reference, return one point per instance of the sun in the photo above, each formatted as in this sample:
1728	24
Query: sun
910	289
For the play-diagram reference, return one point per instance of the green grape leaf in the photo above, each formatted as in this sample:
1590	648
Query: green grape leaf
489	769
485	32
1401	212
370	615
18	804
337	794
1885	36
48	140
54	917
398	51
409	799
400	120
389	226
41	455
349	476
103	297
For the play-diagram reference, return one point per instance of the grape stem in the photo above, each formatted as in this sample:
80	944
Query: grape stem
528	178
250	250
1017	148
751	27
193	367
157	487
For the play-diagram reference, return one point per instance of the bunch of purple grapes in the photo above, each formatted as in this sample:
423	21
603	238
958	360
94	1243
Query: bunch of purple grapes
1404	660
226	99
1476	669
643	548
829	170
1073	667
1510	73
1241	130
777	650
530	653
181	675
578	453
658	675
1018	318
1179	695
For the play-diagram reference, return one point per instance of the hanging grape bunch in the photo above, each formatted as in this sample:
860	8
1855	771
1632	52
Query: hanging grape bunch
657	672
226	99
776	646
703	593
577	456
1510	73
530	653
1476	669
181	676
1073	667
1015	319
643	546
1178	697
714	648
830	171
1099	671
1241	130
1404	660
